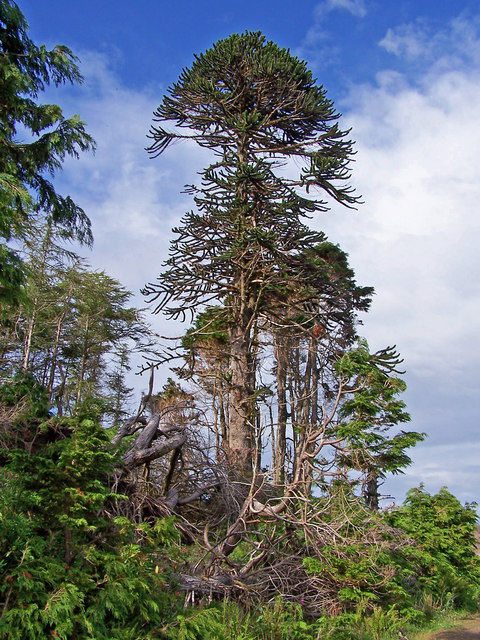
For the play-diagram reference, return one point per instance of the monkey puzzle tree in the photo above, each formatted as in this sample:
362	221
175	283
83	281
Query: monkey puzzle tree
261	113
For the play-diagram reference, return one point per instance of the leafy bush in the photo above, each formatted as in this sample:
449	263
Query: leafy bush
442	565
66	569
230	622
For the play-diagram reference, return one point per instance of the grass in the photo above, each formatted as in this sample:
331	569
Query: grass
442	622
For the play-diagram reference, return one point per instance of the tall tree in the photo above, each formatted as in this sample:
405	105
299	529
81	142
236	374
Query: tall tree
257	108
370	410
312	323
101	321
27	166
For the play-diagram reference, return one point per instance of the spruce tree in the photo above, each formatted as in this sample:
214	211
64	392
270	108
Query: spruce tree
27	165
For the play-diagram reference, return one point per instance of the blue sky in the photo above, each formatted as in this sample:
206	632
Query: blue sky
406	77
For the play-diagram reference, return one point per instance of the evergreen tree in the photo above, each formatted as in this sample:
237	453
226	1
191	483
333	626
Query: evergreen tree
26	166
68	569
371	408
119	394
69	327
446	556
257	108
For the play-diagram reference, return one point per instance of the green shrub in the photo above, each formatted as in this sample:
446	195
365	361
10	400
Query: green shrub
67	570
228	621
442	566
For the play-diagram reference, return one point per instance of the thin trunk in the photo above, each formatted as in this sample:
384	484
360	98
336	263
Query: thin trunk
62	401
27	347
313	402
281	357
83	363
258	443
315	371
53	365
371	491
43	279
221	412
220	422
290	469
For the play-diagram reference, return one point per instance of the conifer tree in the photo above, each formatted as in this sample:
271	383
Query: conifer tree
259	110
368	414
27	165
69	326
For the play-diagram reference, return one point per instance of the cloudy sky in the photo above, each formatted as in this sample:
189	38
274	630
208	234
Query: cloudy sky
406	77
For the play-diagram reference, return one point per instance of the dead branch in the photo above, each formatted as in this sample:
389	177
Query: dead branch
137	456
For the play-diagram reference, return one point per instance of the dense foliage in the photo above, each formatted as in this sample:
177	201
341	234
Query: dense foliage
243	499
27	165
446	565
68	570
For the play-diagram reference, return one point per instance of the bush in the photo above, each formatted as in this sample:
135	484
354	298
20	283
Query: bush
442	565
66	569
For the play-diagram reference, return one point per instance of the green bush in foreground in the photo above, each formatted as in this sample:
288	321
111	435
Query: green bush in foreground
66	570
445	569
69	570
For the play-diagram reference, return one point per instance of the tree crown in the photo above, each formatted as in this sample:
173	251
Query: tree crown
251	99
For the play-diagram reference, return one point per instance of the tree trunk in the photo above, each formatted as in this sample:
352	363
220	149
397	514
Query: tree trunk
371	491
83	361
28	338
280	454
242	405
53	363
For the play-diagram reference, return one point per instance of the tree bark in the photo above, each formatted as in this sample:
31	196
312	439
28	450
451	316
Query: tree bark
151	443
241	426
136	457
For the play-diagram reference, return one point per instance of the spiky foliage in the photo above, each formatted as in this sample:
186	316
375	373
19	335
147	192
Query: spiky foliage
260	111
255	106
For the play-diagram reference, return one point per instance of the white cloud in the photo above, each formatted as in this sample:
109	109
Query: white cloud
318	46
416	236
132	200
452	465
408	40
451	47
355	7
416	241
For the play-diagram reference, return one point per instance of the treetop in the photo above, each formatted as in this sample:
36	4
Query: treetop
245	97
